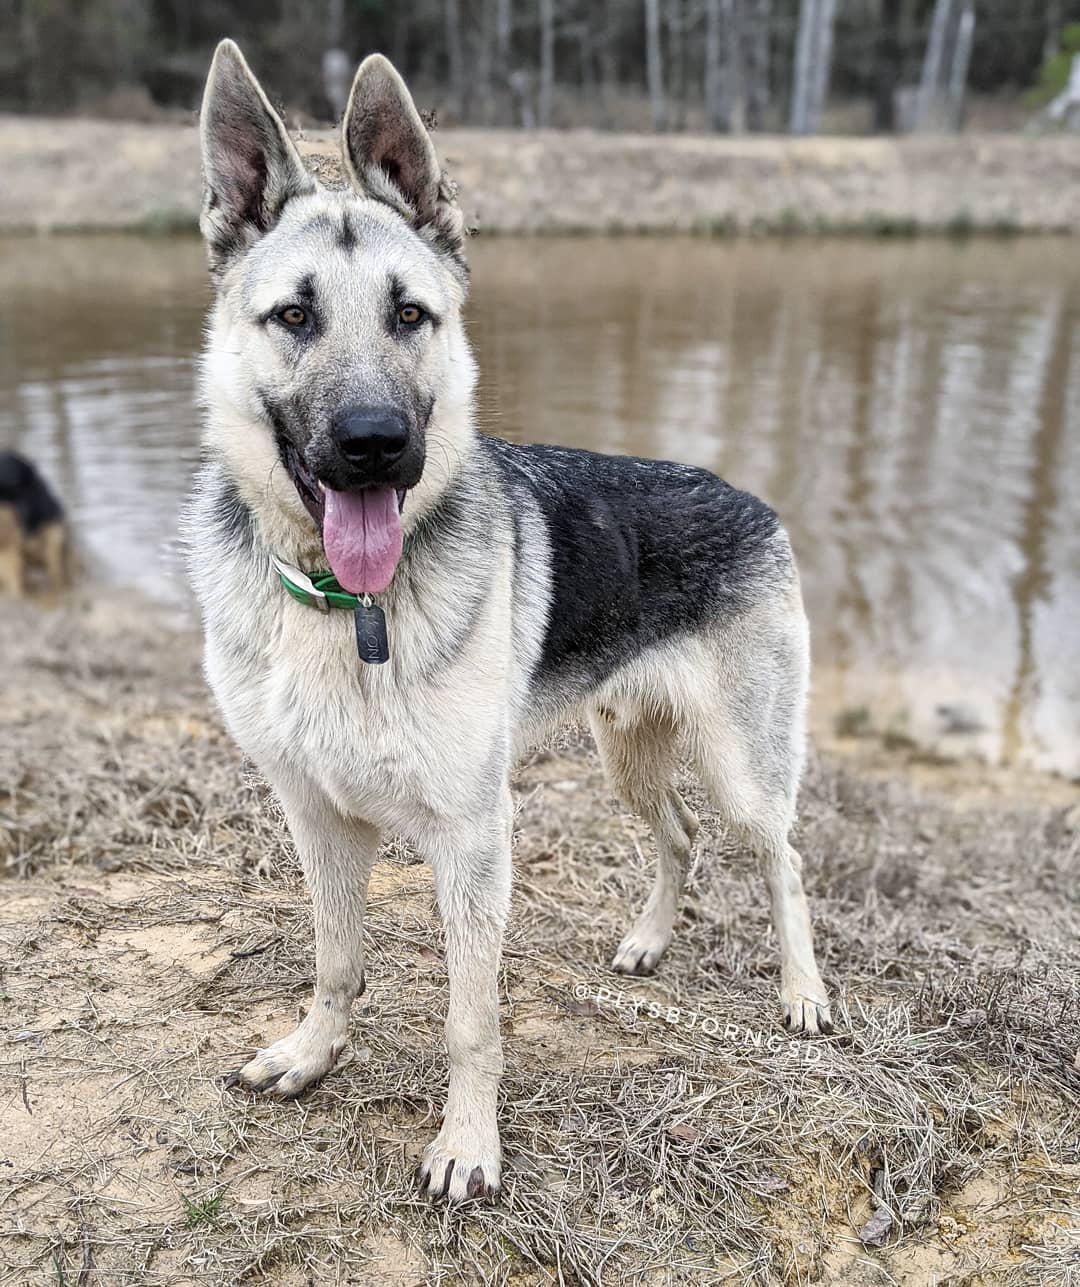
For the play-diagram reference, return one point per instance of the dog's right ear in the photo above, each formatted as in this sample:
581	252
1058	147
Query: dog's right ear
250	167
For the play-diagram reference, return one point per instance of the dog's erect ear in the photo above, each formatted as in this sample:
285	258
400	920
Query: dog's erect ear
389	154
250	167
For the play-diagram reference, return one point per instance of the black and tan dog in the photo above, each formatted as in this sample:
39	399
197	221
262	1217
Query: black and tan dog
349	514
33	532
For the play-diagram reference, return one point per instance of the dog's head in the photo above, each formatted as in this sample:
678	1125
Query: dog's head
336	358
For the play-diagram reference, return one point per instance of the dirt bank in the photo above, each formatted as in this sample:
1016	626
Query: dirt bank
77	174
154	929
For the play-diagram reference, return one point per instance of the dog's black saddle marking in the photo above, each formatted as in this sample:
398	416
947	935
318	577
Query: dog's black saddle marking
641	551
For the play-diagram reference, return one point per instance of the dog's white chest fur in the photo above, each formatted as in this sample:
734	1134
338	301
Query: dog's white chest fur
384	743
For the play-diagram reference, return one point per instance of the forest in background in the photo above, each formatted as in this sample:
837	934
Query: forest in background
721	65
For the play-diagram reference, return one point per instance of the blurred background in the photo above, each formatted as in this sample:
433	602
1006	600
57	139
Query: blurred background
716	65
875	326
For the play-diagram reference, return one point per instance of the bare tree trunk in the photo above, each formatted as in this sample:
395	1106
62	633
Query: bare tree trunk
30	52
547	62
757	63
887	67
676	25
804	57
813	55
734	70
654	68
961	60
823	62
587	77
455	61
945	66
480	40
504	32
933	61
713	73
608	64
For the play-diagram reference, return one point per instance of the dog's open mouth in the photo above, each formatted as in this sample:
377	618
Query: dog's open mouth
361	530
307	487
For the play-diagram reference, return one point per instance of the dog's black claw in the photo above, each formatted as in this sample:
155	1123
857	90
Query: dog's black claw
446	1180
232	1080
476	1188
825	1027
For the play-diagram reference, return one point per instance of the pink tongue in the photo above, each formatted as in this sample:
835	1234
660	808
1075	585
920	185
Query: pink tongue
362	538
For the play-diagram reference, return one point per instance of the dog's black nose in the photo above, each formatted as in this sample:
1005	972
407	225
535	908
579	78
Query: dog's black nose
370	436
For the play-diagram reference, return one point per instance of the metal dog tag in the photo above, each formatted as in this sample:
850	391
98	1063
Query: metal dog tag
371	642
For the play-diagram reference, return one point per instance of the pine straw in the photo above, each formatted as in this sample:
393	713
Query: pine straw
157	927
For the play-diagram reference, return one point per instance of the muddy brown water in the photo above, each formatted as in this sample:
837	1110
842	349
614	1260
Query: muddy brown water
911	410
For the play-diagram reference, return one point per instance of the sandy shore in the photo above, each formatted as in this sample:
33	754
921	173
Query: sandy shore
62	175
154	928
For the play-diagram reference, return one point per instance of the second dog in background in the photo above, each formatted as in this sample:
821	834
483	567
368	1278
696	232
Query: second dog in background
33	532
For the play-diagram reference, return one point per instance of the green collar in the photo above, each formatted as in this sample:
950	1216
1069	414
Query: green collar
318	589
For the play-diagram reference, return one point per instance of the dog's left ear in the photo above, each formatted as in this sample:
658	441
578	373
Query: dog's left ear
389	154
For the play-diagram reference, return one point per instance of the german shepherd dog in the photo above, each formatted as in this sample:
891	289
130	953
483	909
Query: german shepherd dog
33	533
488	590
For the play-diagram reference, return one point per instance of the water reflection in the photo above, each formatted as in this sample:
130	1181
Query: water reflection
909	409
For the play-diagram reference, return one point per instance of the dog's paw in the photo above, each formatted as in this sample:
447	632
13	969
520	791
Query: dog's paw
290	1065
640	951
805	1009
459	1165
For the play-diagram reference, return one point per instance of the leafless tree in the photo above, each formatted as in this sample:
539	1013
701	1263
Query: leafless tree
887	66
675	12
547	62
945	65
757	32
504	30
455	60
654	66
813	57
607	61
713	66
735	69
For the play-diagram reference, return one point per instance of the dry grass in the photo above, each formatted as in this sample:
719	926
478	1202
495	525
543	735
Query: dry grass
154	929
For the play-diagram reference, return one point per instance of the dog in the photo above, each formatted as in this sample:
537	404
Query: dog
395	605
33	532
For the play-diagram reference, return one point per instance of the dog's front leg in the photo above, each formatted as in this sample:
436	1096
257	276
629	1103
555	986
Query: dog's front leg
472	879
337	854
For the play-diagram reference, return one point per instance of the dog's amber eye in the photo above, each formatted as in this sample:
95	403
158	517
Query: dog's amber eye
410	314
293	316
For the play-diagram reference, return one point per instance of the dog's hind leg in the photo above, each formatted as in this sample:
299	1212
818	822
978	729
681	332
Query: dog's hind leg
11	551
638	752
337	854
746	737
54	554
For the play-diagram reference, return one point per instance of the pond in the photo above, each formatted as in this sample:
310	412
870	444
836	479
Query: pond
911	410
